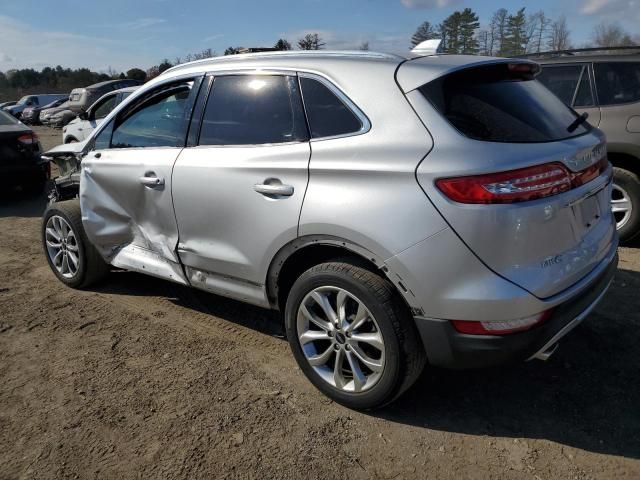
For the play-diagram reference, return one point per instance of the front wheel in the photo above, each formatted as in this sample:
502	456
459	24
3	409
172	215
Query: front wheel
625	203
352	336
69	253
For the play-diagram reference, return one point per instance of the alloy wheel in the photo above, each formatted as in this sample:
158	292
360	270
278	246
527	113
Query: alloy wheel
62	246
621	206
340	339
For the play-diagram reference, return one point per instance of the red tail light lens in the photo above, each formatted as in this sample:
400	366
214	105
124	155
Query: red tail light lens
28	138
501	328
518	185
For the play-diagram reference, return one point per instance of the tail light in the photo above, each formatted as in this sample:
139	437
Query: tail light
518	185
28	139
501	328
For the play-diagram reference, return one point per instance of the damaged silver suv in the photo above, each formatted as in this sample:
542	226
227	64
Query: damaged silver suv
397	211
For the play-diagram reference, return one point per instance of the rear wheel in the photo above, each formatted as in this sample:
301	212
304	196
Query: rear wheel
71	257
352	336
625	203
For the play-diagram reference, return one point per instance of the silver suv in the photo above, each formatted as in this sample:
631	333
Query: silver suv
397	211
606	86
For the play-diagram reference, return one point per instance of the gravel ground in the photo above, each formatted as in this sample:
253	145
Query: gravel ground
140	378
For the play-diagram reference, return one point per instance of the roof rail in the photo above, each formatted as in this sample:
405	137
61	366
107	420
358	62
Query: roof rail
578	51
287	53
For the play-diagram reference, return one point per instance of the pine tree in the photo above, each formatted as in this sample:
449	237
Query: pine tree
426	31
516	38
282	44
469	24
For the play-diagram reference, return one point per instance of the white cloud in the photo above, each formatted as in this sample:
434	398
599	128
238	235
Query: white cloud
27	47
141	23
428	3
620	9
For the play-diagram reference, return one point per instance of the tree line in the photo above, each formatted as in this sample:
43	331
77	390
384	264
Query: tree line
505	34
515	33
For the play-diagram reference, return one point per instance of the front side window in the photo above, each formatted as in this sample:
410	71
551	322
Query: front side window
496	104
328	115
253	110
617	83
104	108
160	121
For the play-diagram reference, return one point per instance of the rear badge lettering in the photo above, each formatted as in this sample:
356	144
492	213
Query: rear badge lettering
548	262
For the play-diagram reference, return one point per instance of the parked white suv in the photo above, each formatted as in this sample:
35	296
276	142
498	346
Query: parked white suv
79	129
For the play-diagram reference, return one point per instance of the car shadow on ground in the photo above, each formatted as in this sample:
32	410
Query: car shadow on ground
586	396
16	203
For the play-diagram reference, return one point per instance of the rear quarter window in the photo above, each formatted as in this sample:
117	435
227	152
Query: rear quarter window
496	105
328	115
617	83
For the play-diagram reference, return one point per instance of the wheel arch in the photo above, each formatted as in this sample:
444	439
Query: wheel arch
625	160
304	252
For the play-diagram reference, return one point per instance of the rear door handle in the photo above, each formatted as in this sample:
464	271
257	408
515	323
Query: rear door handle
278	190
152	181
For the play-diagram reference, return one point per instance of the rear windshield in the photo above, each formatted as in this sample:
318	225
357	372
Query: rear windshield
494	104
6	119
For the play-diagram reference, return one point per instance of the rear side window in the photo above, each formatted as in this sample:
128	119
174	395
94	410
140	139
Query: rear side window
570	83
617	83
253	110
494	104
328	115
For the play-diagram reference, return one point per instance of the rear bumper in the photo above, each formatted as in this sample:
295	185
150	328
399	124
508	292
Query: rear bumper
448	348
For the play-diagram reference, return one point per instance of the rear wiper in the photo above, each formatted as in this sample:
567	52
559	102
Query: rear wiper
577	122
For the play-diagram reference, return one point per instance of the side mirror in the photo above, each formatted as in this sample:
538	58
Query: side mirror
83	115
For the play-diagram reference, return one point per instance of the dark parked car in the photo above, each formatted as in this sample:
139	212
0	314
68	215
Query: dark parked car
20	161
31	115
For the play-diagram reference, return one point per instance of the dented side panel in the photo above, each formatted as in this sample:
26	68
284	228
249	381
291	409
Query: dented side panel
121	210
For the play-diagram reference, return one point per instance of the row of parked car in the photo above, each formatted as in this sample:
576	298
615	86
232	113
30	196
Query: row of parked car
57	110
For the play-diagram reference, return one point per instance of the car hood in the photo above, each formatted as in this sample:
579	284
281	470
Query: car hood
75	148
51	111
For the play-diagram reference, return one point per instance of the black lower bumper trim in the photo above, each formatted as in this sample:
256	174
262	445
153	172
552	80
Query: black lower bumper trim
446	347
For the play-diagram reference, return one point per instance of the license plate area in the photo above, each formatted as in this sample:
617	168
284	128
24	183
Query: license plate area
588	211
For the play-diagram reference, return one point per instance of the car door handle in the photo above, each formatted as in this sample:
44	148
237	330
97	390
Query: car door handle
274	189
152	181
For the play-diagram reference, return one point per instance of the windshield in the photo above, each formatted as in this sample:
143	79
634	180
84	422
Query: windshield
495	104
6	119
24	100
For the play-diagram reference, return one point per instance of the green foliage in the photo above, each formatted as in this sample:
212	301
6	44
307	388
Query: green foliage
426	31
282	44
137	74
516	39
16	83
458	32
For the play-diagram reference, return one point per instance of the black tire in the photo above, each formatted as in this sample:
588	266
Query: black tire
404	354
630	182
91	268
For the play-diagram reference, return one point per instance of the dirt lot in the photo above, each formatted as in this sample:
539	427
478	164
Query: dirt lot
140	378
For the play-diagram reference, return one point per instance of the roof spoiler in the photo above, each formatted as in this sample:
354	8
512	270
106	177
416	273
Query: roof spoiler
428	47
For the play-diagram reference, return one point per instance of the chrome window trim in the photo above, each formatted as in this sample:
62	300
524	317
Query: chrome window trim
364	120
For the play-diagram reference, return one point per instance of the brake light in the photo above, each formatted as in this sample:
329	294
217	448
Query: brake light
501	328
28	138
518	185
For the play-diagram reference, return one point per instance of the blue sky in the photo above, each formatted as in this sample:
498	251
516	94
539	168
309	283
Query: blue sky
125	33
